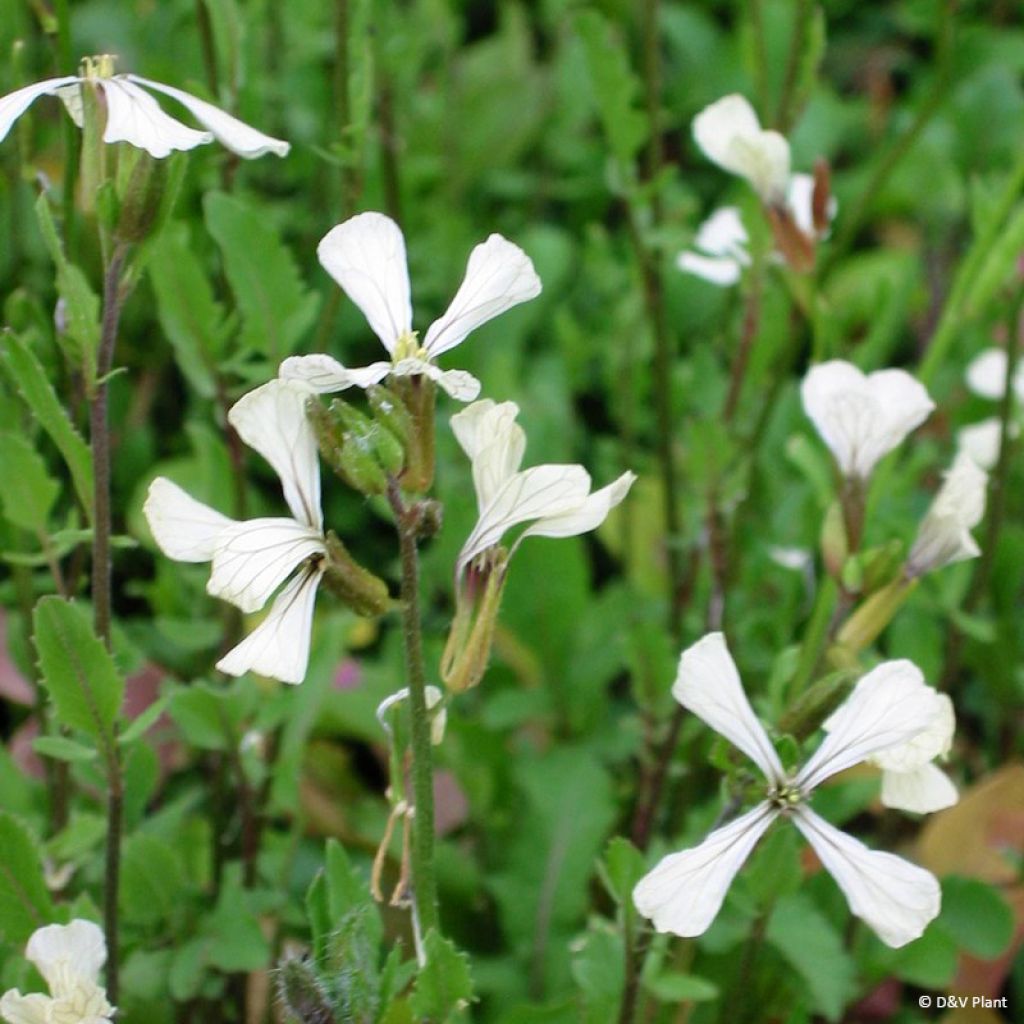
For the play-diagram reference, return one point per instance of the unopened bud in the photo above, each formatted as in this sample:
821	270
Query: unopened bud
417	394
390	412
796	248
817	703
141	185
468	649
302	993
821	198
365	593
834	548
863	627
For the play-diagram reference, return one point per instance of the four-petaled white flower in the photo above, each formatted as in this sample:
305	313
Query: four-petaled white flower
557	498
944	536
862	417
133	115
251	559
69	957
889	706
366	256
986	375
730	134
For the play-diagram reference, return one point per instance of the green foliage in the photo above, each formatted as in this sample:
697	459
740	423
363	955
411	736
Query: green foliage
444	986
24	901
27	491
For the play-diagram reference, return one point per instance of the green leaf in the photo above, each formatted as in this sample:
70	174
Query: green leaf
809	943
622	868
144	722
202	715
25	904
29	377
444	984
60	748
675	987
599	969
976	917
151	880
929	961
27	491
276	306
78	671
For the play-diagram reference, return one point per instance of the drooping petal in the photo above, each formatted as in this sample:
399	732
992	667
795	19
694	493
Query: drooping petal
923	790
366	256
535	492
720	270
253	558
325	374
279	646
236	135
272	419
499	275
433	696
895	898
133	116
62	951
708	684
14	104
462	386
495	443
588	516
888	706
184	529
33	1008
684	892
935	738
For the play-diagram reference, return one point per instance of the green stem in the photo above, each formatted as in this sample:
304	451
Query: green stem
423	877
797	43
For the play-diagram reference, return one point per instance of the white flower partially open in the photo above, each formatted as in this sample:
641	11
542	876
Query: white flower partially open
889	706
556	498
434	697
251	559
70	958
366	256
944	536
986	375
133	115
730	134
862	417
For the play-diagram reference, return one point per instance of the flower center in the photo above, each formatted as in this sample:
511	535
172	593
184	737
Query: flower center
786	796
408	347
98	66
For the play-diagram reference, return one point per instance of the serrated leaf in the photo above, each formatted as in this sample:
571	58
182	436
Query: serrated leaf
29	377
276	306
444	985
25	904
60	748
27	491
77	670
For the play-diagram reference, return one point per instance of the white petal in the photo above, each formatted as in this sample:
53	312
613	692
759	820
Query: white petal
325	374
494	442
366	256
934	740
133	116
719	270
499	275
462	386
14	104
31	1009
888	707
60	951
723	234
922	791
279	646
986	375
433	696
765	162
252	559
84	1003
535	492
895	898
589	516
236	135
718	125
708	684
273	420
184	529
981	441
685	891
861	418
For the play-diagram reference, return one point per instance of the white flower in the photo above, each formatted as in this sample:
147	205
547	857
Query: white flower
366	256
251	559
69	957
133	115
434	697
800	200
889	706
730	135
944	536
986	375
982	440
862	417
557	498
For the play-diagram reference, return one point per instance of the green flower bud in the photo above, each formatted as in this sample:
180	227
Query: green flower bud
365	593
302	993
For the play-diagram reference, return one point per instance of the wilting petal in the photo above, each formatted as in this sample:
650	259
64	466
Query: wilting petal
236	135
62	951
279	646
14	104
535	492
31	1009
708	684
499	276
366	256
272	420
184	529
433	697
888	707
921	791
462	386
895	898
133	116
721	270
589	516
494	442
253	558
325	374
685	891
